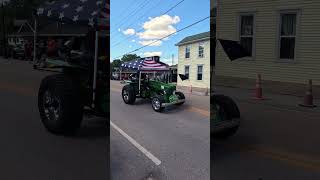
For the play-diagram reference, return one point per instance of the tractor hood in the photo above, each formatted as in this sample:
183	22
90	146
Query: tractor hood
161	85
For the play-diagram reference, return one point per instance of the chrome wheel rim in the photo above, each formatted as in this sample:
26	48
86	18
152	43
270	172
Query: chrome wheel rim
156	103
52	106
125	95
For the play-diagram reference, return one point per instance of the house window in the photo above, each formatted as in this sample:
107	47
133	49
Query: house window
287	39
199	72
186	71
201	50
187	54
247	32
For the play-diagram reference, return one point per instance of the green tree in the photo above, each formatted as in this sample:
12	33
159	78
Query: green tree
115	64
129	57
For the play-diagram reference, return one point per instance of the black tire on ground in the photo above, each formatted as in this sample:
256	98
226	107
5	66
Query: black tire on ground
157	103
60	104
231	111
180	96
128	94
226	133
229	106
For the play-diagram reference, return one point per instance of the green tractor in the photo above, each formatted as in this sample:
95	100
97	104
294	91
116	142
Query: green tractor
161	94
79	83
73	90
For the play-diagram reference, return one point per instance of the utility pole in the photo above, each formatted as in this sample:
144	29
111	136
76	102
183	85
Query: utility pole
172	59
172	70
4	48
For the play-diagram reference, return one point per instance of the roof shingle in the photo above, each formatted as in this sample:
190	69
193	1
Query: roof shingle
194	38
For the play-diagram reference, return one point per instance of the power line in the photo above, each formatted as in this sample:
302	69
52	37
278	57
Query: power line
140	30
135	12
165	36
117	35
173	7
125	9
128	13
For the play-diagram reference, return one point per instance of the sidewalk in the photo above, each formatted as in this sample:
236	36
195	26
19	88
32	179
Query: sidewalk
287	102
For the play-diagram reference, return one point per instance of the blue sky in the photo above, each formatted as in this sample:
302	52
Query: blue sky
135	23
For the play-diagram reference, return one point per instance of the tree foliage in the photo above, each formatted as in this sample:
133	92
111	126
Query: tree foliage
129	57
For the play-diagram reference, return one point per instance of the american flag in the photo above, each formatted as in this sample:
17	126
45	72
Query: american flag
146	64
94	13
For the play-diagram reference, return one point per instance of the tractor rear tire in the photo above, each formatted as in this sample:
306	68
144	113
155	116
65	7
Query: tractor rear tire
230	107
157	103
231	111
180	96
226	133
128	94
60	104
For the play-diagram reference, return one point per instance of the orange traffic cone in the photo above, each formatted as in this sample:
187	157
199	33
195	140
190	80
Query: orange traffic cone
308	98
258	88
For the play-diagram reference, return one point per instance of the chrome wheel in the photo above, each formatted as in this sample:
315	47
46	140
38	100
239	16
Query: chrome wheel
51	106
156	103
125	95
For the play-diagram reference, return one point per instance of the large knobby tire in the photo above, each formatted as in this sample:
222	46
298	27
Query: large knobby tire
229	106
128	94
229	110
60	104
156	103
180	97
226	133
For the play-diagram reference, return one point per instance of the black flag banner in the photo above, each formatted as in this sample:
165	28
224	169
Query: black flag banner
183	77
233	49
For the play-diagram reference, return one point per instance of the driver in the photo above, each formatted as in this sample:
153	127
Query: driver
145	80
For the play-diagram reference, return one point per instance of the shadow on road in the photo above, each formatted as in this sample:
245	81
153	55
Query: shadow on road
94	128
176	108
142	102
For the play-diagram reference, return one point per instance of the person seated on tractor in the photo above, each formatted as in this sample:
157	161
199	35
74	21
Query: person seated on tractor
145	81
52	50
133	77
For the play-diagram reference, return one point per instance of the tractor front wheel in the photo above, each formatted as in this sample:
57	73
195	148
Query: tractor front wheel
128	94
60	105
156	103
180	97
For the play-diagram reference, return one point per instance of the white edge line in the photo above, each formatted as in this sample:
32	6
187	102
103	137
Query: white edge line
136	144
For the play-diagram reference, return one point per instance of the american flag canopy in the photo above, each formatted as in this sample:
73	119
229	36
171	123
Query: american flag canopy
146	64
94	13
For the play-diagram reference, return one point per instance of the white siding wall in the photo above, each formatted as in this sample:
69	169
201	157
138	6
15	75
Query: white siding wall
193	61
307	63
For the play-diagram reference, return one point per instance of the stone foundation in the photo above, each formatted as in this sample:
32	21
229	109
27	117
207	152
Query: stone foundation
195	90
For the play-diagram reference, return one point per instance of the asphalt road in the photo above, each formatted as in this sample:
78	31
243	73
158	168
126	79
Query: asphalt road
28	151
272	143
172	145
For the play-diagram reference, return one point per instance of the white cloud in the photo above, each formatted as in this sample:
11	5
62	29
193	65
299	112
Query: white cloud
133	40
129	32
154	43
159	27
119	29
155	53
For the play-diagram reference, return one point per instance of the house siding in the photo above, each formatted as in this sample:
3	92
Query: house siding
307	62
193	62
